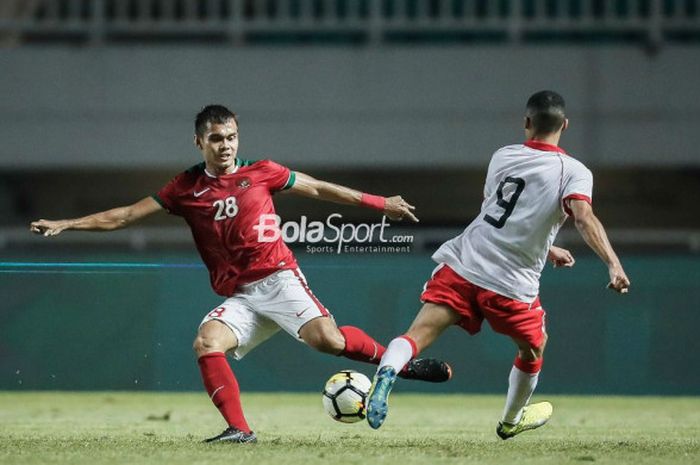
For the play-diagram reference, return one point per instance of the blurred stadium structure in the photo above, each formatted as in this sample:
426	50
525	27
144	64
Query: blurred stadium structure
382	21
390	96
408	96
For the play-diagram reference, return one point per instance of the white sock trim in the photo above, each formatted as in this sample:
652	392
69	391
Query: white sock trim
521	385
397	355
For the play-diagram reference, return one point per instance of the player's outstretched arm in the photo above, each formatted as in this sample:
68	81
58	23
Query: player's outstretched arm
396	208
107	220
594	234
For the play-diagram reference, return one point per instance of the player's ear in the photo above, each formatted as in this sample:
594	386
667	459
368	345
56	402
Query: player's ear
527	122
197	143
565	125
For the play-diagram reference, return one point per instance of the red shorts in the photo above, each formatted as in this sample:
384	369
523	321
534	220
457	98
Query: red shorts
507	316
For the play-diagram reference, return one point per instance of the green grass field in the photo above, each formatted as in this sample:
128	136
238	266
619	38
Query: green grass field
165	428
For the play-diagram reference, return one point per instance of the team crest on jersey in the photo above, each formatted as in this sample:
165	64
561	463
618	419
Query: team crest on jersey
243	183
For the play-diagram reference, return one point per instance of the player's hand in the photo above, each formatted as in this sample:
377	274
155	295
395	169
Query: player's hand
48	227
560	257
619	281
396	208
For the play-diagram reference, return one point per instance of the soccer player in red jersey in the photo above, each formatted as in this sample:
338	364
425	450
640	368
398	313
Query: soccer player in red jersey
223	200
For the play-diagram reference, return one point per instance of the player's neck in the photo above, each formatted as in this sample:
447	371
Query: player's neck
550	139
215	172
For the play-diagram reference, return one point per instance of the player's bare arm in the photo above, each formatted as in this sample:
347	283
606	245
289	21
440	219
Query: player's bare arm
594	234
560	257
396	208
107	220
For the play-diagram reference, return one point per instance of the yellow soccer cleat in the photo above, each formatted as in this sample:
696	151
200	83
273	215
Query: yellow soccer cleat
534	416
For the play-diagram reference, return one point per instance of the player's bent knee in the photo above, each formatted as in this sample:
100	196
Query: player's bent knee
203	346
214	337
528	352
538	352
531	354
323	335
327	342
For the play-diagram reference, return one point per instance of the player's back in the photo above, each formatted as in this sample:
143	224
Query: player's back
505	248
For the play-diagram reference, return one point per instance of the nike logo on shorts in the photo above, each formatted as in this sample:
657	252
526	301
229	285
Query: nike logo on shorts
301	312
197	194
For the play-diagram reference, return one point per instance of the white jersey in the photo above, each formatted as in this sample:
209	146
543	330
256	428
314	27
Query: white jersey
505	248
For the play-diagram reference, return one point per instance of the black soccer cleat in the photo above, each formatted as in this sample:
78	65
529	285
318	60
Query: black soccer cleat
232	434
427	369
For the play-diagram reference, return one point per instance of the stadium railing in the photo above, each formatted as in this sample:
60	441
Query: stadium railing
651	22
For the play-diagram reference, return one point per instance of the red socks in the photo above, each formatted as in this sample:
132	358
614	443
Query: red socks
359	346
528	367
223	389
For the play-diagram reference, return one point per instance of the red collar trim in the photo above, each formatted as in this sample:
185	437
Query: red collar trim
537	145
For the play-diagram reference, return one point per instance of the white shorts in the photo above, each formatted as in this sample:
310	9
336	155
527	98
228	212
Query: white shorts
259	309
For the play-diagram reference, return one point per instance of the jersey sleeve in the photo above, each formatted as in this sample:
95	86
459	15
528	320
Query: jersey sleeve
276	176
168	194
578	185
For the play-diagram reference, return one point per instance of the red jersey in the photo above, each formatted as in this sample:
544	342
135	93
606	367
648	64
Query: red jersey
222	212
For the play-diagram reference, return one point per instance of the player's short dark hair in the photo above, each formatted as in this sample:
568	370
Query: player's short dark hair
546	111
214	114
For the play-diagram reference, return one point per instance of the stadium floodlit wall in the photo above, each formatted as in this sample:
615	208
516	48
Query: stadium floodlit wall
131	329
412	107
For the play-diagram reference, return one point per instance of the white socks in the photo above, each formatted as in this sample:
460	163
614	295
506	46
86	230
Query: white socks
397	355
521	385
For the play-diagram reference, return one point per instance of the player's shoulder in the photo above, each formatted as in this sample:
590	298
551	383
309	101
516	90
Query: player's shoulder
510	148
264	165
574	164
190	175
194	170
505	153
509	151
261	163
245	163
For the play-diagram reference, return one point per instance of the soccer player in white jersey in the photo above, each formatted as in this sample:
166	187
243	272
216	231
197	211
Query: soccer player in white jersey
492	269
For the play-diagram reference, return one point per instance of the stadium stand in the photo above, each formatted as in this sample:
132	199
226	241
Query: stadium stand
654	195
648	22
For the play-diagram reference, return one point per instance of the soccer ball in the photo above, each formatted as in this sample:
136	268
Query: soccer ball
345	394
